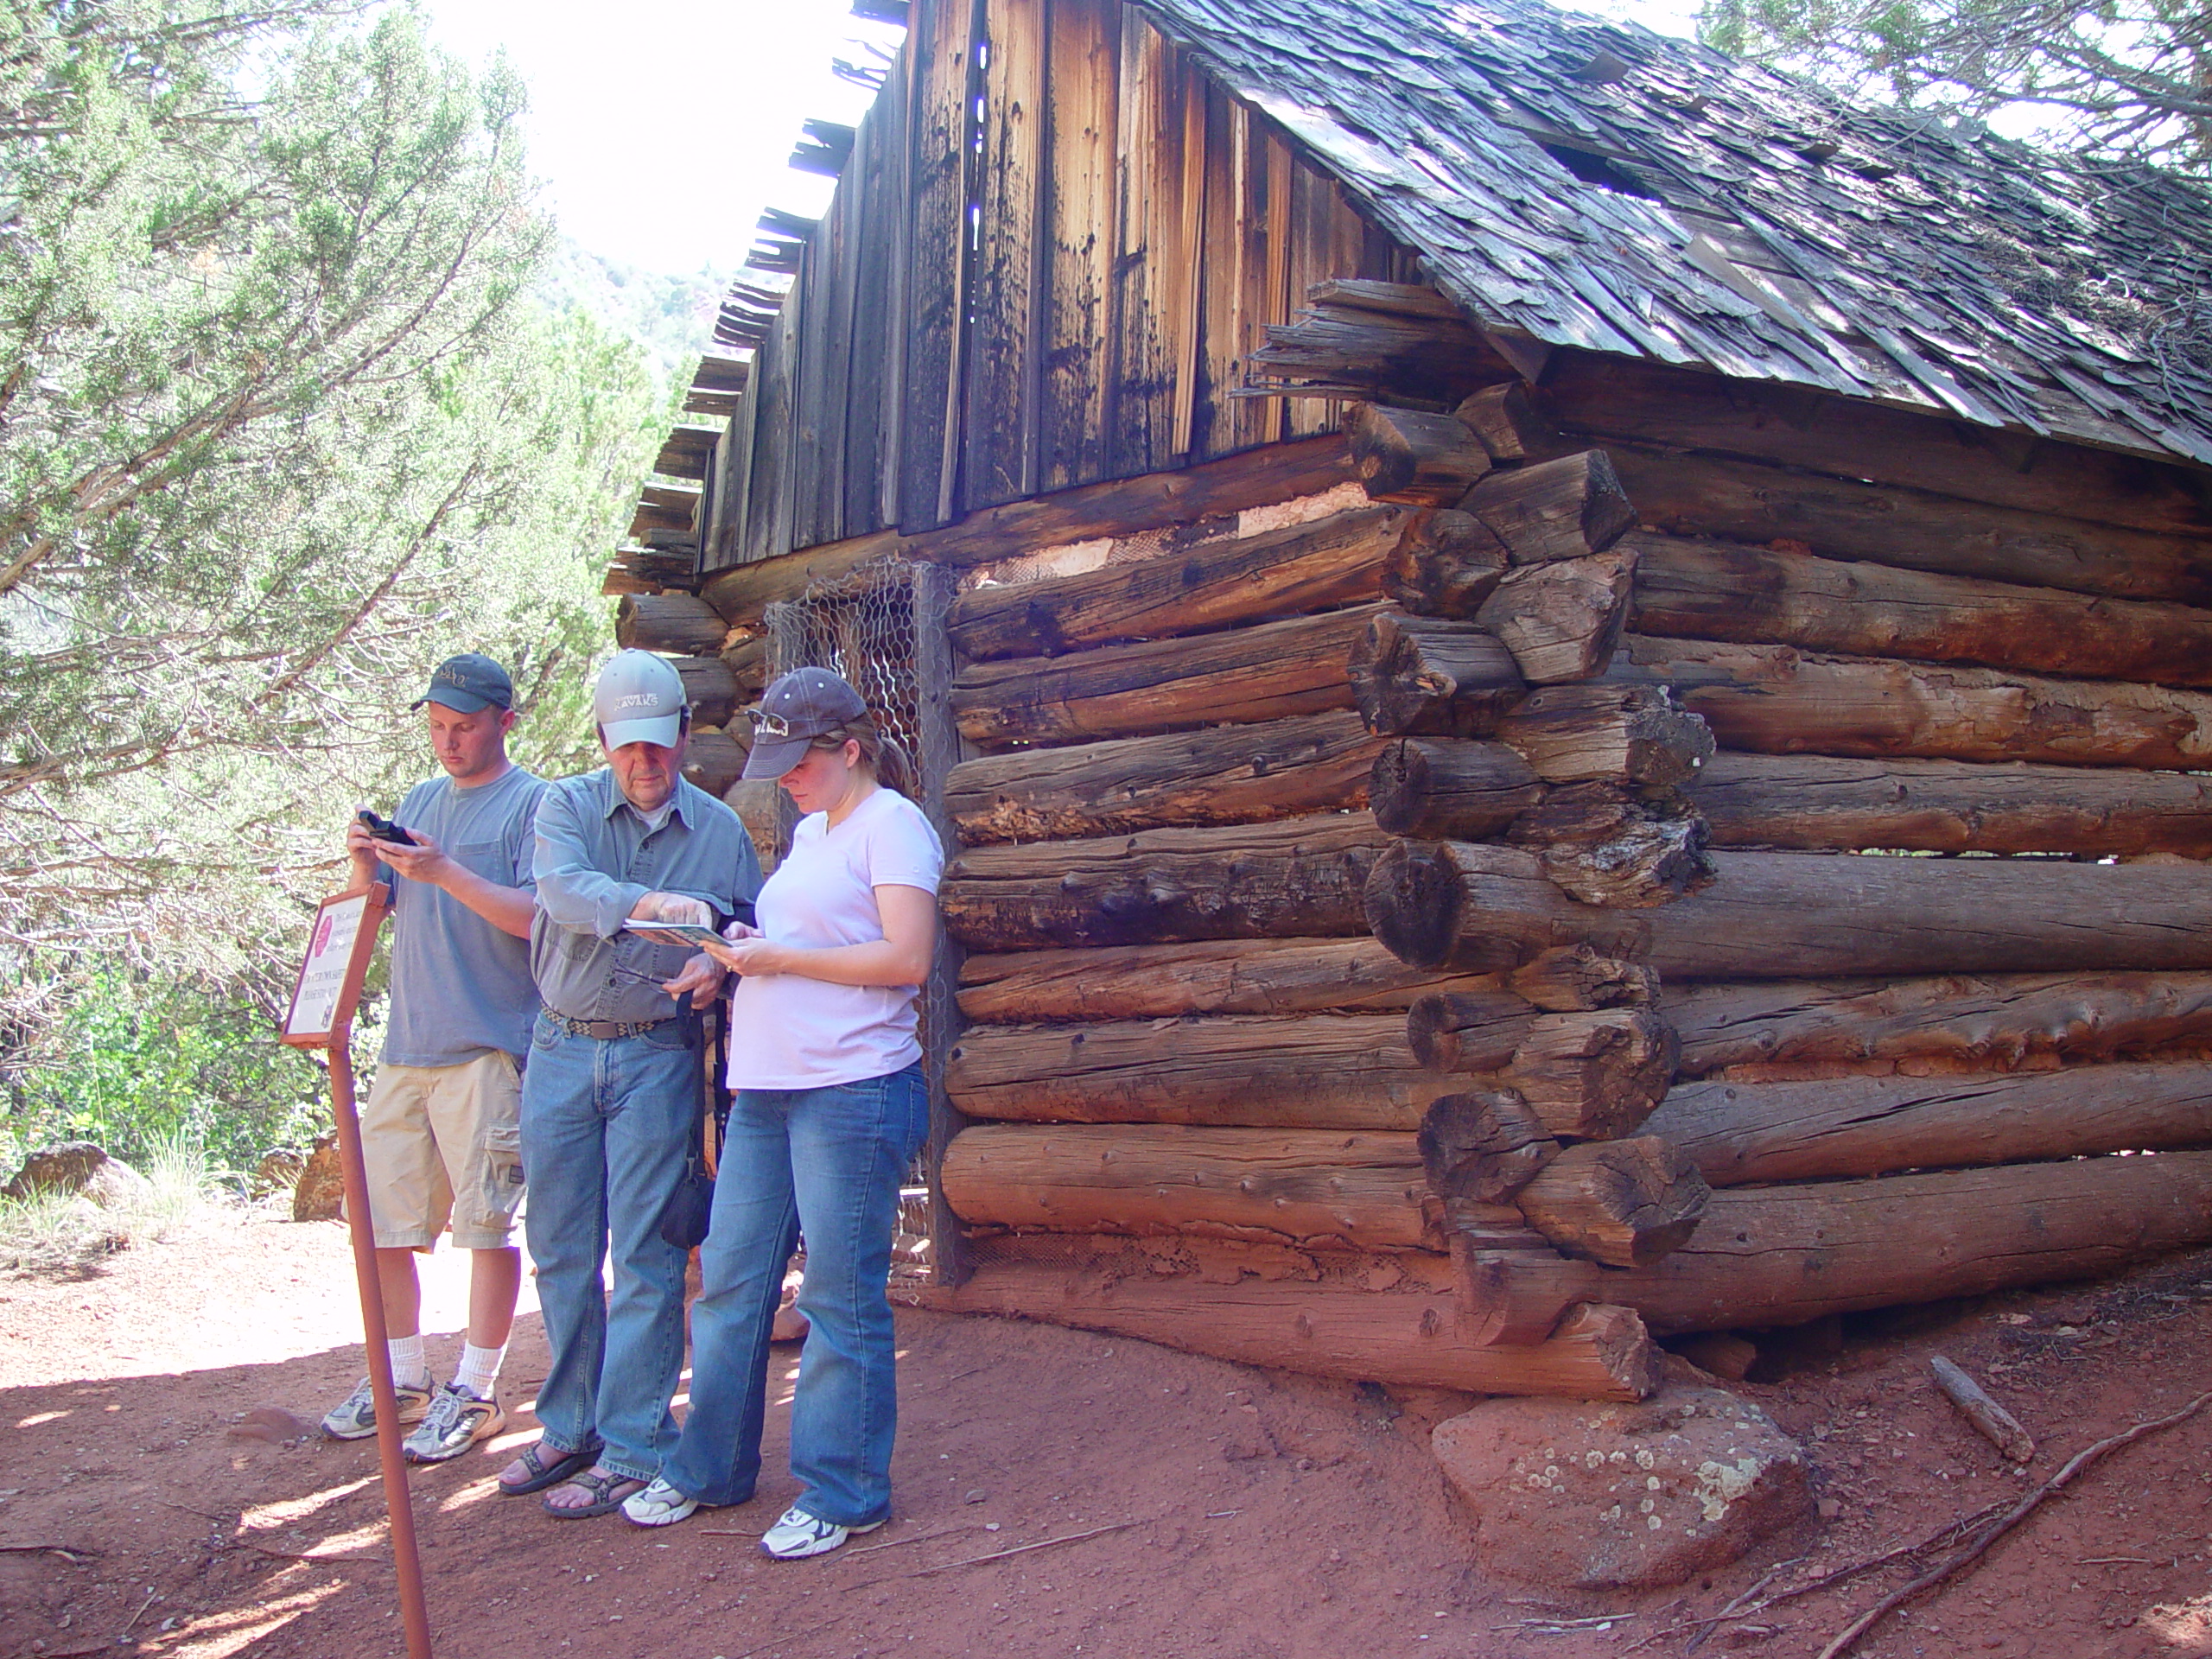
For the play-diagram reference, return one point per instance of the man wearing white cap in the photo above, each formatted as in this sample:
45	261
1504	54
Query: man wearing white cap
610	1094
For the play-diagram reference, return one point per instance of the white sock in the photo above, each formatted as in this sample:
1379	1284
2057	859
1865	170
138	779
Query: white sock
479	1369
408	1368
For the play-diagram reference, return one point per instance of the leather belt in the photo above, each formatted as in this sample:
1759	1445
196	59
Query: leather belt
606	1031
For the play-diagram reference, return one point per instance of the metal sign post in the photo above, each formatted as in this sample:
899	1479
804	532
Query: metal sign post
322	1016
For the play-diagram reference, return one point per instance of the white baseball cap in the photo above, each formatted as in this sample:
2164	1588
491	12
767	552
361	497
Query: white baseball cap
638	699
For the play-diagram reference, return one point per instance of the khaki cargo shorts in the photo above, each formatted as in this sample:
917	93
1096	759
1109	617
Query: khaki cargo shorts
444	1142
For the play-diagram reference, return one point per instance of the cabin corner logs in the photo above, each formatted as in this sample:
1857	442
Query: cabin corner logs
1451	903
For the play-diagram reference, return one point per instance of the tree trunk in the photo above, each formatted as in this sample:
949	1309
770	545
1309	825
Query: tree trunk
1607	845
1272	672
1445	564
1784	1254
1561	621
1481	1147
1315	1071
1401	455
1316	566
1840	518
1412	675
713	762
1486	909
1594	1076
1740	1133
1433	787
1602	395
1314	1189
1564	509
747	662
743	593
1468	1030
1412	1338
1297	878
1627	734
1773	699
1576	976
1224	774
1167	981
1622	1202
1819	802
1993	1023
682	624
1713	590
710	688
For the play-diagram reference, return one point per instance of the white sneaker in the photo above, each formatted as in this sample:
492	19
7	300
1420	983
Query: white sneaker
799	1534
660	1505
354	1417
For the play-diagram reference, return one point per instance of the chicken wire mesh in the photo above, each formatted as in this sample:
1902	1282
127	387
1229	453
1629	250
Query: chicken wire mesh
867	626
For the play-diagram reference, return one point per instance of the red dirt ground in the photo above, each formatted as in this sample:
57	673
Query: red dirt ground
1259	1515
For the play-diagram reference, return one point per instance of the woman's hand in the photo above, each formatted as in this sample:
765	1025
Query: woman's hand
747	951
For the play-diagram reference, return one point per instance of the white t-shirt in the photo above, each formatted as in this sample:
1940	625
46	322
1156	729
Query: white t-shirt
788	1031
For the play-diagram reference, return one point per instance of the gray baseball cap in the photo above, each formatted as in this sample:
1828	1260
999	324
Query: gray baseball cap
638	699
801	705
468	683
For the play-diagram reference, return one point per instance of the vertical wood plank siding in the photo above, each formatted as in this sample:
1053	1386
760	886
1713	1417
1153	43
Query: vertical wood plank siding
1050	258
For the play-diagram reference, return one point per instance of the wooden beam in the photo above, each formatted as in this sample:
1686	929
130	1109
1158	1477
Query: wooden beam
1822	802
1719	590
1991	1022
1270	671
1777	700
1742	1133
1785	1254
1311	1188
1316	566
1407	1336
1295	878
1313	1071
1166	982
1483	909
1224	774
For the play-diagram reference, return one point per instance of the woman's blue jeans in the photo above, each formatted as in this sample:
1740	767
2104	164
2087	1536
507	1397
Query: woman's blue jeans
605	1126
827	1162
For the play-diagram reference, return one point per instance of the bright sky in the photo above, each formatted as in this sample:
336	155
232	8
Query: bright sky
662	128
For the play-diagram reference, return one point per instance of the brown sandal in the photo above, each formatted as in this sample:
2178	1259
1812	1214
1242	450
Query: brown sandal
566	1465
605	1499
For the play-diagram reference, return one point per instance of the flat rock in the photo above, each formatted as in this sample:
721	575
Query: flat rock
1623	1496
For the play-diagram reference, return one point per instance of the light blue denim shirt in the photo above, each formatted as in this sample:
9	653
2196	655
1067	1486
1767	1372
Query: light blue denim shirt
596	858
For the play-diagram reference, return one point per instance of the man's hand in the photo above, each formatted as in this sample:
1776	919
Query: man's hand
672	907
361	851
701	978
425	862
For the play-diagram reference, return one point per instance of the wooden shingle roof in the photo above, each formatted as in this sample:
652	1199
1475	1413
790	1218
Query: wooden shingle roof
1588	184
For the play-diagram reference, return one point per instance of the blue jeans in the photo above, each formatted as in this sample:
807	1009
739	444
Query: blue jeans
604	1126
827	1162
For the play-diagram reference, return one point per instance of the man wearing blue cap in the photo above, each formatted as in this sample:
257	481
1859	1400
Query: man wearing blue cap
441	1132
610	1098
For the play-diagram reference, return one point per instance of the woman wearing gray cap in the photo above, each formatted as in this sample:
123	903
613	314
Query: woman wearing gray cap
830	1112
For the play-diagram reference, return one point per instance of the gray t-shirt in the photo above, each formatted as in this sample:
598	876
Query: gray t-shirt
460	986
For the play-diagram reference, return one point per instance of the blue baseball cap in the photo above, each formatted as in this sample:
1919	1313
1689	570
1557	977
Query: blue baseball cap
468	683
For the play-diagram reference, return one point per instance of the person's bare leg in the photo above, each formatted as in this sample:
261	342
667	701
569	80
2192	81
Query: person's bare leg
403	1293
494	1282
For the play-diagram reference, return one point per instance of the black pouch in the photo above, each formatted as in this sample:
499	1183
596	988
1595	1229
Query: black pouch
690	1208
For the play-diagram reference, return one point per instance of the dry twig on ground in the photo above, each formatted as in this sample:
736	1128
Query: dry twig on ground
1979	1543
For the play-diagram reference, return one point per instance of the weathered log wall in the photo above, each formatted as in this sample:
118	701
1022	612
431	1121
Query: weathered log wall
1394	926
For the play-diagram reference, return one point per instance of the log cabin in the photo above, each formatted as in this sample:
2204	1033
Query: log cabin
1570	683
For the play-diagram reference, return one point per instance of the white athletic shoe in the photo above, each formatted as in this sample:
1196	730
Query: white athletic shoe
660	1505
354	1417
799	1534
